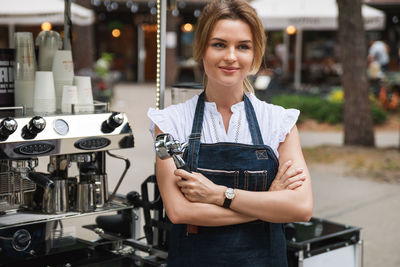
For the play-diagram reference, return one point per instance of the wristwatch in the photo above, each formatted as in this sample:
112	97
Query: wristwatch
229	195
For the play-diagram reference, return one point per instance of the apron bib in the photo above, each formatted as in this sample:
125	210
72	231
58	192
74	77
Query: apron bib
235	165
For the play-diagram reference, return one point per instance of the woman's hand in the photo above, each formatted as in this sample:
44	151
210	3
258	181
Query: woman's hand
287	178
198	188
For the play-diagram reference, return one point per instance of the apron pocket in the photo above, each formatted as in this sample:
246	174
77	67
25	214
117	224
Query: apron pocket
255	180
221	177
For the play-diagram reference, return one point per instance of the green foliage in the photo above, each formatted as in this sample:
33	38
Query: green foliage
378	114
322	110
103	64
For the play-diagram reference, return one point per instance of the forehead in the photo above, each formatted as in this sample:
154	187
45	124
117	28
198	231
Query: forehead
232	29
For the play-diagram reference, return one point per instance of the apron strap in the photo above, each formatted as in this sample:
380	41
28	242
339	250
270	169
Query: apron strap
194	138
254	128
193	149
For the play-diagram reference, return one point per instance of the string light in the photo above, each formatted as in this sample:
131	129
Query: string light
158	71
46	26
187	27
116	33
291	29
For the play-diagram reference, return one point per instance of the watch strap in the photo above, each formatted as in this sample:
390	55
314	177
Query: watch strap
227	203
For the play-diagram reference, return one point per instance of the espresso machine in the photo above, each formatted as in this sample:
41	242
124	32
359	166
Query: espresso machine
53	167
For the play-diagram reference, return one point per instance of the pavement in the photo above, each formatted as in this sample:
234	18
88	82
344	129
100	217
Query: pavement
370	205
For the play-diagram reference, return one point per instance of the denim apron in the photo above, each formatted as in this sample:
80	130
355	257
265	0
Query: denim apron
235	165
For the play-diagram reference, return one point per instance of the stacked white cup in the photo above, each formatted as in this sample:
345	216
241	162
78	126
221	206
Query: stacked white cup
24	69
85	95
69	98
49	42
44	98
63	71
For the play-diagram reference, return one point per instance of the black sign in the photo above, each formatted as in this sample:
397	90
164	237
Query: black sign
6	77
92	143
36	148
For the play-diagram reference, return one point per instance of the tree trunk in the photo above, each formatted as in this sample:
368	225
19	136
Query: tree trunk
358	126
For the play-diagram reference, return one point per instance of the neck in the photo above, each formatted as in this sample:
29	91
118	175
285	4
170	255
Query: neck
224	97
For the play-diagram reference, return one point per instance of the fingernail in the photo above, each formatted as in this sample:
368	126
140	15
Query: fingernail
289	162
300	169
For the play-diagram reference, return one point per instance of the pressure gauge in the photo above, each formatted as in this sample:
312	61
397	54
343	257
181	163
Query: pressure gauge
61	127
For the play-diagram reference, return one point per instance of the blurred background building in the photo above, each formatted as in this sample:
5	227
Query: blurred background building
126	31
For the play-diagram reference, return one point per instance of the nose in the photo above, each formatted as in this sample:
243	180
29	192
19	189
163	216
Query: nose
230	55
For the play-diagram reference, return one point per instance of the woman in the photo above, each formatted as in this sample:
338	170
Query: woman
235	195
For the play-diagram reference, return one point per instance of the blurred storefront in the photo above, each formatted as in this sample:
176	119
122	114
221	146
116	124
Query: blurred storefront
303	38
127	29
391	34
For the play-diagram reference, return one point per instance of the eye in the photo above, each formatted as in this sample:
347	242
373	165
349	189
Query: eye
218	45
244	47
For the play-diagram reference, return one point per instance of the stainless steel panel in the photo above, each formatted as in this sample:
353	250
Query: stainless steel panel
83	127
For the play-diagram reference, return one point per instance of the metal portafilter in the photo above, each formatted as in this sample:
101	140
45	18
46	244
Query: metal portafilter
26	170
166	147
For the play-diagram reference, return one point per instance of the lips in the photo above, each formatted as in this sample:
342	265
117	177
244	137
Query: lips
229	69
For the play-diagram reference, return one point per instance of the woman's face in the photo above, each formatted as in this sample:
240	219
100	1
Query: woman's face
229	53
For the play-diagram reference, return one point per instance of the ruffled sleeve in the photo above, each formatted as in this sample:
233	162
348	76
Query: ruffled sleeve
275	122
175	119
283	120
289	118
163	120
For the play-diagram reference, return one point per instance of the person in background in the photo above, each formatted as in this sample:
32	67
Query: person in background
379	50
281	53
248	174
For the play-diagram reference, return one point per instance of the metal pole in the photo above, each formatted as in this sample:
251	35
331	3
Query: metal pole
142	53
285	65
67	25
297	70
161	35
11	31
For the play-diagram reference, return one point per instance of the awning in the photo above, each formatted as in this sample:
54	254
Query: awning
35	12
310	14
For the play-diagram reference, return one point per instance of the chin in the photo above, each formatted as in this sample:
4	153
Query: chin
231	83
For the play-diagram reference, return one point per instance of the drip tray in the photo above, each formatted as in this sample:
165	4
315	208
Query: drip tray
79	257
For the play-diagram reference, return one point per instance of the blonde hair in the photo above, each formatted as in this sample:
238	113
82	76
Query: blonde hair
229	9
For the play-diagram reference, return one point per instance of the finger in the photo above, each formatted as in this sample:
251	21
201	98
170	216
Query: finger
291	173
295	185
184	190
283	168
294	179
181	183
300	177
184	174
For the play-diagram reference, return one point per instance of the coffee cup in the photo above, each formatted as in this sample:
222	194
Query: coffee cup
63	71
85	95
44	99
69	98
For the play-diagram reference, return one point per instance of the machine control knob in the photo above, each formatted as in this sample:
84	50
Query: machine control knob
7	127
35	126
114	121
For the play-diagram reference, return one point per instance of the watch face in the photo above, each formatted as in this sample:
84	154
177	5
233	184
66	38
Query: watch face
229	193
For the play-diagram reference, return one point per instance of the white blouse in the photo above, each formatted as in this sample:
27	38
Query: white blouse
275	122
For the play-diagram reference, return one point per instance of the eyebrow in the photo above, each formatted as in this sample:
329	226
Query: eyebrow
222	40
